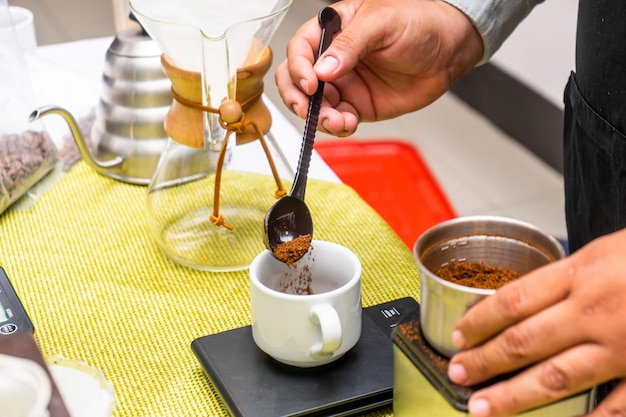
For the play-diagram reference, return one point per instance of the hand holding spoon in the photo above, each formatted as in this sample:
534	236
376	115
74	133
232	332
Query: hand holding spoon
289	218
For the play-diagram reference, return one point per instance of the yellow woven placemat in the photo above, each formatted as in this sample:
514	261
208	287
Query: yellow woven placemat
98	289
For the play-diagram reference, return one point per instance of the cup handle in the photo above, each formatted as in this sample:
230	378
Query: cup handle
330	325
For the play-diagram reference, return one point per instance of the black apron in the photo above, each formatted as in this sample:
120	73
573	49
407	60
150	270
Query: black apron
595	124
595	127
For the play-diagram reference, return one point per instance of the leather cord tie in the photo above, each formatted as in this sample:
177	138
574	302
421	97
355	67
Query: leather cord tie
232	118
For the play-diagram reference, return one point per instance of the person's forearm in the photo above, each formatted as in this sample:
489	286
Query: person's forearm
495	20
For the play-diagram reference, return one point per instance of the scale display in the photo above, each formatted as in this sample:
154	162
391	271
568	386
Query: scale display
13	317
3	314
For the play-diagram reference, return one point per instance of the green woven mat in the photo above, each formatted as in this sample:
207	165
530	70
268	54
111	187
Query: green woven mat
98	289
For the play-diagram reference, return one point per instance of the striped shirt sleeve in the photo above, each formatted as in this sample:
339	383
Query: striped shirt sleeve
495	20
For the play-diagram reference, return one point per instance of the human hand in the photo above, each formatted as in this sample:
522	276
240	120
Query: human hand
566	321
391	57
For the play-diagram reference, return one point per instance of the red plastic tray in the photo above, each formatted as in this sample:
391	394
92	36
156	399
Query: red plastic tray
392	177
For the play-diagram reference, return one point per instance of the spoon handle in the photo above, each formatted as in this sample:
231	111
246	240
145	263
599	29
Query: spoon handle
330	23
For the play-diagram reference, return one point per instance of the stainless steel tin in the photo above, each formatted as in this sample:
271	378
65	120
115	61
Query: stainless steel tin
492	240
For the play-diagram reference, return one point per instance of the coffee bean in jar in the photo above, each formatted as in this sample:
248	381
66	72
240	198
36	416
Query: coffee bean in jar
25	158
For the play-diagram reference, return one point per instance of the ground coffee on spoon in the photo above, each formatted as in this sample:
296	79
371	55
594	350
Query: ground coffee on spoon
297	279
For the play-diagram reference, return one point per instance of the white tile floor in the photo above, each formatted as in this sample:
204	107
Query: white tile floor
480	169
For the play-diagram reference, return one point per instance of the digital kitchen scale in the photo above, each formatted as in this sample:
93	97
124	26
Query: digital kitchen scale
252	383
13	317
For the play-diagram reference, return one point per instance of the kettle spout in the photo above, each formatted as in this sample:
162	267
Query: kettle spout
100	166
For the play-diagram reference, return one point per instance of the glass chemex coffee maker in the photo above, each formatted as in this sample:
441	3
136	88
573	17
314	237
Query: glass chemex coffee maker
422	342
203	210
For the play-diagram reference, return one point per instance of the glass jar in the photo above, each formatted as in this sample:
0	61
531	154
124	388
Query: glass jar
27	152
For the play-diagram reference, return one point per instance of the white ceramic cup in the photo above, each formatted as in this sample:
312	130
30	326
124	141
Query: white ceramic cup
25	388
22	22
307	330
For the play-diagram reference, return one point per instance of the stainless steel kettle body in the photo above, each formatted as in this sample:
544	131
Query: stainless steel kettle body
127	137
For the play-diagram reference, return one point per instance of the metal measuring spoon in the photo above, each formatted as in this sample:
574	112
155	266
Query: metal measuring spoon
290	218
